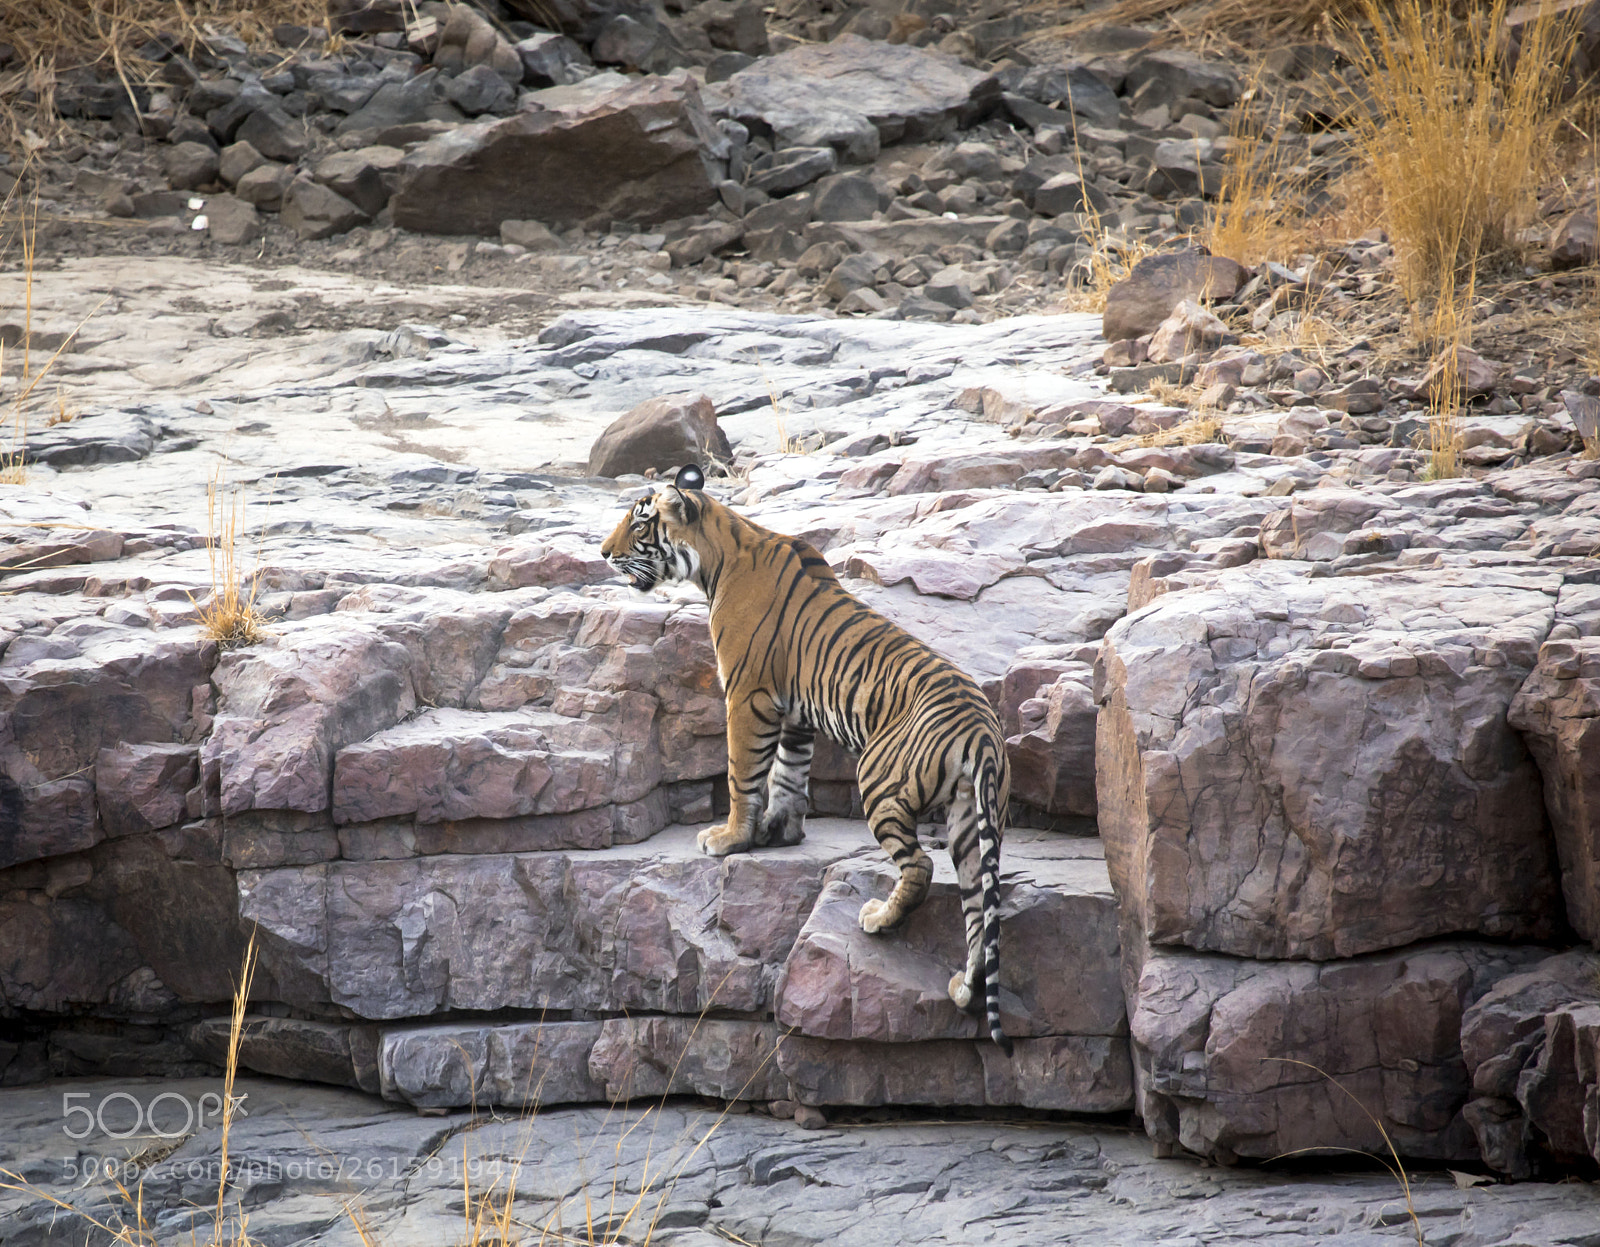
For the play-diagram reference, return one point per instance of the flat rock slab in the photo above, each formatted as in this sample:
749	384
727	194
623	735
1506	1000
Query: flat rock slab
855	94
656	927
305	1157
1294	766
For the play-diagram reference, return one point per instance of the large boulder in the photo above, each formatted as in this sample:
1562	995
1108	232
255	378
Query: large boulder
1297	766
1238	1058
660	434
855	95
1141	301
643	152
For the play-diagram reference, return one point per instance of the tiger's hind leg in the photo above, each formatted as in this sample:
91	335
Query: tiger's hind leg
894	823
966	987
783	821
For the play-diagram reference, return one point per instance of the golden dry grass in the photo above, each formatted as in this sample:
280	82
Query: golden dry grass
1454	142
1258	213
1250	22
229	616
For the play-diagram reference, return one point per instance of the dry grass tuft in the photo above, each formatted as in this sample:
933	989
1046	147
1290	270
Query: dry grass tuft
1454	140
1450	328
1258	213
1113	259
1251	22
229	616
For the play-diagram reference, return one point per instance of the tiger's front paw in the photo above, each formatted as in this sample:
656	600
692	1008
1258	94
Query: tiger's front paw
720	840
876	916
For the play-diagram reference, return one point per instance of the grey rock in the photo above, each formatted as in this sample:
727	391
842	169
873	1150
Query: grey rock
232	220
313	211
551	60
190	165
358	176
791	168
856	95
480	89
845	197
1067	192
653	138
265	186
1172	74
274	134
238	159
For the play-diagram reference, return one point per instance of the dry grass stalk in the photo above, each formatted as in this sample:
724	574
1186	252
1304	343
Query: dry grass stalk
1252	22
1455	142
234	1229
1113	259
1451	328
1256	215
13	462
124	1223
1396	1170
229	616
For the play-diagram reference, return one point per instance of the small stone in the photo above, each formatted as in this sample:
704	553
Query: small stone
1067	192
237	160
265	185
274	134
190	166
809	1118
865	299
949	287
851	273
792	168
480	90
233	221
534	235
660	433
313	211
1189	328
845	197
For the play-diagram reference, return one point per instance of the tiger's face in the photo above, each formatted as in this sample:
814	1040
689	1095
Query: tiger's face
642	547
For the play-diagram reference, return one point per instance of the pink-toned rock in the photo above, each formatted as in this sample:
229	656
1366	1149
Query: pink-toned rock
1309	767
58	714
1558	713
1068	1073
557	561
1052	760
1057	954
448	765
1315	526
1532	1046
1187	329
655	927
522	1065
142	787
286	708
935	573
649	1057
1239	1058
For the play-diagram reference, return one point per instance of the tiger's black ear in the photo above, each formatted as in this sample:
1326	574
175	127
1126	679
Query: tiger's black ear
689	477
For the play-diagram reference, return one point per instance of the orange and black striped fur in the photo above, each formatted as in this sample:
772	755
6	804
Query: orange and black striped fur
798	654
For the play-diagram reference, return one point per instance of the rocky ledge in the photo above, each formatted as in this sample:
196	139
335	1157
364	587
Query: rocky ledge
1325	720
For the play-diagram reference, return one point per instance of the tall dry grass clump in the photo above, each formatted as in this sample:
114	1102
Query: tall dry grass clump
1258	213
1454	137
230	615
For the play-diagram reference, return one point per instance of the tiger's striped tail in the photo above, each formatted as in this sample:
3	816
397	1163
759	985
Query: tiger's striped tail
989	831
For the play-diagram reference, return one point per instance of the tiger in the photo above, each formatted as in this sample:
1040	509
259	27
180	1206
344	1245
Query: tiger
797	654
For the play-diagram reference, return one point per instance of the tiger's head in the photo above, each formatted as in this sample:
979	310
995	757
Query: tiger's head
650	546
